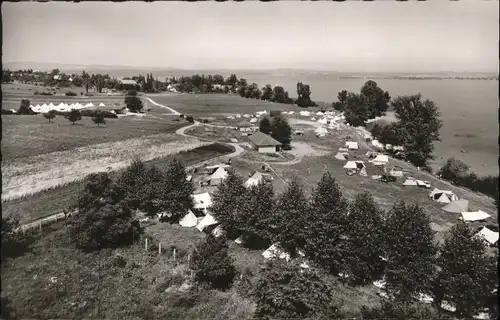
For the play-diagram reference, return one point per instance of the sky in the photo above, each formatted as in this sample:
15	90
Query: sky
379	36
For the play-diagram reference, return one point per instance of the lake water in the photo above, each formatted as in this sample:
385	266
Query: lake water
469	110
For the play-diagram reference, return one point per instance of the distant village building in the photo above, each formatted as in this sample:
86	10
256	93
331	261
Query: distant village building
264	143
57	77
129	84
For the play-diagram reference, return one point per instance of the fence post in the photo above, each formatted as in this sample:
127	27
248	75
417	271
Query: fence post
146	244
159	249
40	226
174	254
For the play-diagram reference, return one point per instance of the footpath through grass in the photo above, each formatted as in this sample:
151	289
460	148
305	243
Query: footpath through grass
55	200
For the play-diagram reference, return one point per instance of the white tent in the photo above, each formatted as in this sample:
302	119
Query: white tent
259	113
377	144
341	156
443	196
313	119
350	165
217	166
275	251
51	106
208	220
189	220
422	183
448	306
246	116
102	104
218	231
425	298
45	106
490	236
474	215
351	145
239	240
457	206
343	149
219	175
321	132
380	160
238	115
319	113
396	173
291	112
323	121
410	182
253	120
305	113
202	200
254	179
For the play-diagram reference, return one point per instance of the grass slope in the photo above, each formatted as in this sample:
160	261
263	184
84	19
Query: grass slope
55	200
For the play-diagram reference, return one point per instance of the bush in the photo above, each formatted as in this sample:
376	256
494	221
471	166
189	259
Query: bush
93	113
398	311
7	111
453	169
25	109
50	115
70	94
74	115
190	119
13	243
286	291
212	264
98	118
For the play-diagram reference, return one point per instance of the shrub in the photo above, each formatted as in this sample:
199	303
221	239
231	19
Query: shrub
70	94
74	115
7	111
453	169
50	115
190	119
13	243
285	291
98	118
212	264
92	113
398	311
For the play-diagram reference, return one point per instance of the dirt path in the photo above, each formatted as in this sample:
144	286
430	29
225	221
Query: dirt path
174	112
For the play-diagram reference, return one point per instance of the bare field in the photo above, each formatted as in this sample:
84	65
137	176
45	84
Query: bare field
28	136
31	175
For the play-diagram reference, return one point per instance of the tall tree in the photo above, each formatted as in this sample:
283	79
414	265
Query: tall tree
25	109
227	203
87	82
256	216
326	225
289	218
376	98
265	125
418	127
363	261
356	110
267	93
342	96
463	278
134	103
281	130
177	193
304	95
285	291
212	264
50	115
410	252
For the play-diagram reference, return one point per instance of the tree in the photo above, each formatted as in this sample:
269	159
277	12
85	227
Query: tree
365	241
14	243
50	115
134	103
212	264
356	110
418	125
338	106
285	291
342	96
304	95
25	109
453	169
74	115
87	81
176	195
98	118
265	125
227	203
410	252
463	278
256	216
281	130
280	95
132	181
289	221
107	224
326	225
96	187
376	98
267	93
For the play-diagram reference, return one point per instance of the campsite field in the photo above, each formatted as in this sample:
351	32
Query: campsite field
217	104
54	200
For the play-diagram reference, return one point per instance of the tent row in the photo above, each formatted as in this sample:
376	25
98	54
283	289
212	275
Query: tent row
62	107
